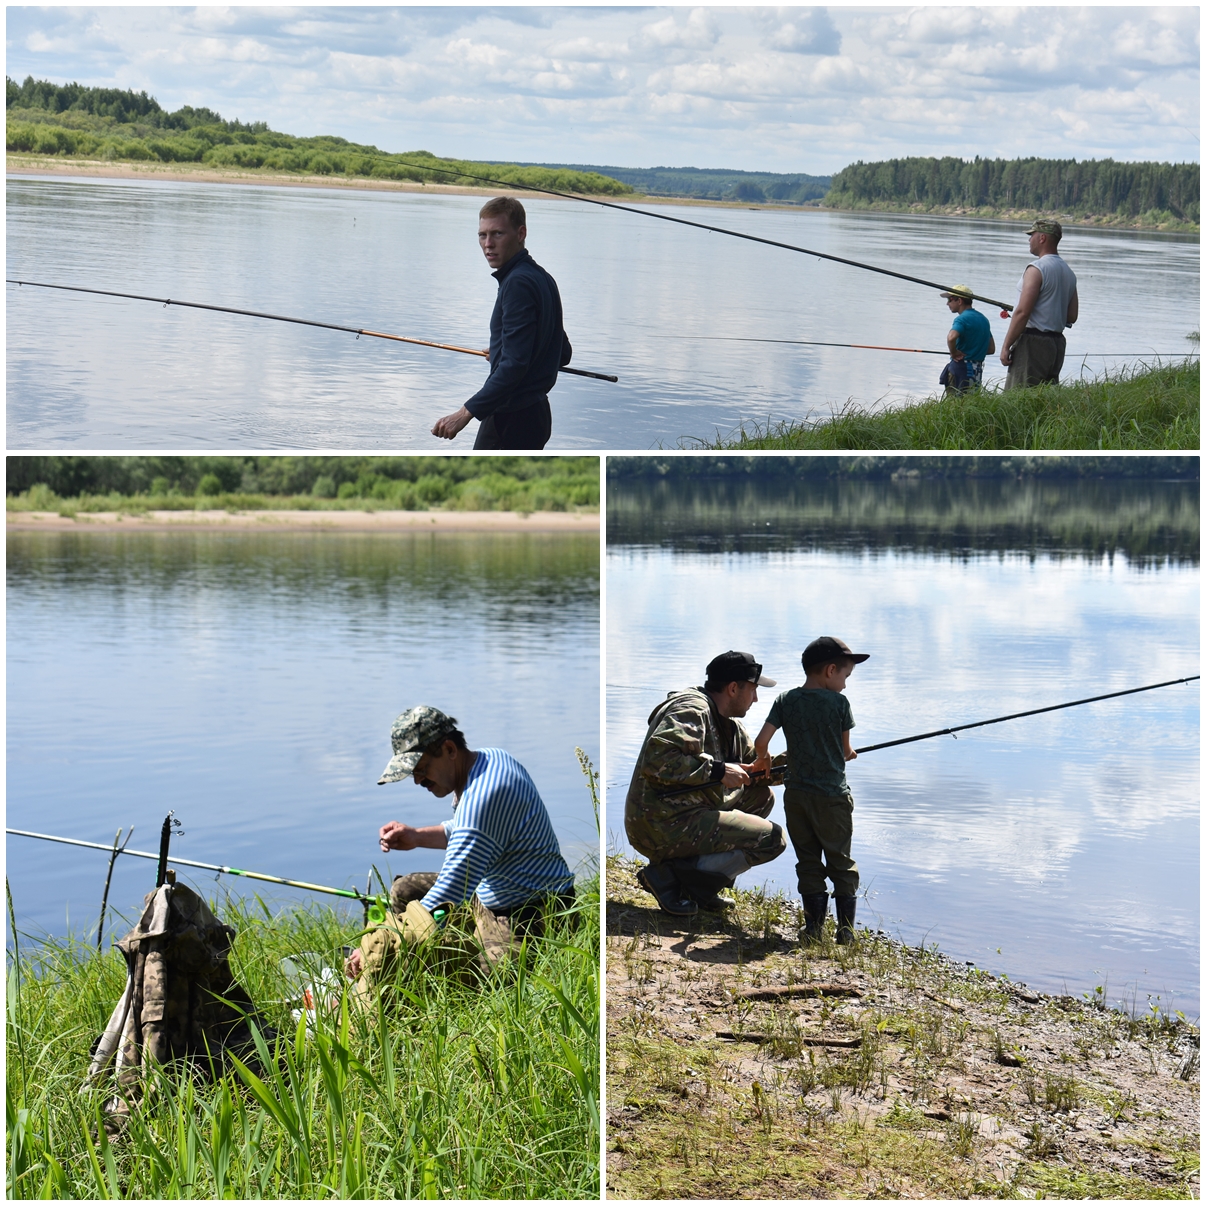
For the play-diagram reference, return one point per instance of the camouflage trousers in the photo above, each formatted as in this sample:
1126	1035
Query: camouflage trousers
712	831
821	828
474	940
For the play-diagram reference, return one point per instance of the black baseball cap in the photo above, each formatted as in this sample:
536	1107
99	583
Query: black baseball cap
735	667
829	649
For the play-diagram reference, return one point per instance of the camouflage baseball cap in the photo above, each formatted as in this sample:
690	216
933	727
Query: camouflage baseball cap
412	733
1048	226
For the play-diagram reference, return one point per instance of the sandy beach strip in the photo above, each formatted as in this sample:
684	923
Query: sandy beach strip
321	521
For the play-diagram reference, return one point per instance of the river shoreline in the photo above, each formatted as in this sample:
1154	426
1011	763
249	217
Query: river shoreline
742	1064
34	165
328	521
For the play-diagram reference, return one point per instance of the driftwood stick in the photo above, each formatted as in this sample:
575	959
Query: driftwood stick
787	991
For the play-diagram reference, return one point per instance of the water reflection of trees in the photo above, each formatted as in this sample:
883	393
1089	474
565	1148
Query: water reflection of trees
493	571
1147	521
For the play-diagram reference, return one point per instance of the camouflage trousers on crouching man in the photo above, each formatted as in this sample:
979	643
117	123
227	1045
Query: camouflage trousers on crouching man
707	833
473	941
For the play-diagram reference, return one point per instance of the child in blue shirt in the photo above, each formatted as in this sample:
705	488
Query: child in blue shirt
816	720
969	340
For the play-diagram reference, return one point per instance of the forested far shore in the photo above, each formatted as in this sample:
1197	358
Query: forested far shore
895	468
74	122
1100	191
481	483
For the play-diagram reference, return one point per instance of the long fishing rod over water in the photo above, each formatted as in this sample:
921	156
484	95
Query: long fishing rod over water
351	893
959	728
305	322
1006	307
978	724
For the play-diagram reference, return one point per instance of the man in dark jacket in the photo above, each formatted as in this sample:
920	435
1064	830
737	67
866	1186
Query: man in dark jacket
527	341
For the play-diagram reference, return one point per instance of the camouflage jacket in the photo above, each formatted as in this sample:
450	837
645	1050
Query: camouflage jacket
688	743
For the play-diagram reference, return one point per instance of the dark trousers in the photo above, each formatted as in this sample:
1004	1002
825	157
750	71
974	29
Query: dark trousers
528	429
821	828
1038	357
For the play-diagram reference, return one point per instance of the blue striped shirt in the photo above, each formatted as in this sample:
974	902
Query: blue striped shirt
501	843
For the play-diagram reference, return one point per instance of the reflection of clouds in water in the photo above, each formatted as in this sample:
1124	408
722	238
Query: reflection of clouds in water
1023	832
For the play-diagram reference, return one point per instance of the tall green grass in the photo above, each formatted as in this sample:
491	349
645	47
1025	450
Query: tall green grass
485	1092
1143	408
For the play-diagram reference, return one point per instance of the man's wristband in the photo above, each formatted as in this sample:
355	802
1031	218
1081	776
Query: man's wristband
718	772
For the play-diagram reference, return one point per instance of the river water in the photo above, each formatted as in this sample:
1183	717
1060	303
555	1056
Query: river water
1061	849
664	307
249	681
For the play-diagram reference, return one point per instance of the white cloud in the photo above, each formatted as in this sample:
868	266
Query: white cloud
783	89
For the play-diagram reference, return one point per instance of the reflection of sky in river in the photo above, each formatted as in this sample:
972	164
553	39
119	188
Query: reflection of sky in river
655	303
1069	841
250	681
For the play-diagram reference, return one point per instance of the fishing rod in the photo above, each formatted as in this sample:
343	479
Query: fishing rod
761	776
811	343
879	347
736	234
352	893
959	728
305	322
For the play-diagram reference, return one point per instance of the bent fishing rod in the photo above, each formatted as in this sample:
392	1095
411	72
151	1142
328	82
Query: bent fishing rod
1006	307
977	724
352	893
304	322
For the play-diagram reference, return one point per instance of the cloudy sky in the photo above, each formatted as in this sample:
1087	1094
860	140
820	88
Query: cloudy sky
778	89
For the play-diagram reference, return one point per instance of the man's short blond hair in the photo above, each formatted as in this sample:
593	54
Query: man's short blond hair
508	207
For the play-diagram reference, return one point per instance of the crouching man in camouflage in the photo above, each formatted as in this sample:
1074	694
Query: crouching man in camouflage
693	809
502	873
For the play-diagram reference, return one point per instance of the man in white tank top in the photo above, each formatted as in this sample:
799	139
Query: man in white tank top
1033	348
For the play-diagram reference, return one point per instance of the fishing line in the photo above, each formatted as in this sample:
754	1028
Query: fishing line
736	234
879	347
304	322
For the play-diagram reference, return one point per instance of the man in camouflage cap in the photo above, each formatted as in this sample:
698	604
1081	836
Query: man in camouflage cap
503	868
692	808
1034	346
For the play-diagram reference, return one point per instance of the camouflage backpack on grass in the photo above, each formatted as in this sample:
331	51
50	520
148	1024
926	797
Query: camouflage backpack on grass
181	1000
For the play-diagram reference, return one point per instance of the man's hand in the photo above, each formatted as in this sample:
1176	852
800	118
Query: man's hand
352	965
396	836
735	775
447	427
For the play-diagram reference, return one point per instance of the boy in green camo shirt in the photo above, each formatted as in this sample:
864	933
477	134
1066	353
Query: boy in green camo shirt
816	720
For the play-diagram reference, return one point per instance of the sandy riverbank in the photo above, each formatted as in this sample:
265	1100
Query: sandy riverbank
742	1064
331	521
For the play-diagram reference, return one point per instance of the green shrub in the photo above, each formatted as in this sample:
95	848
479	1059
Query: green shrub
210	485
324	487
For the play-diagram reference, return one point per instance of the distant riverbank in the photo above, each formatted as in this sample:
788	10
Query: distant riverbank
343	521
49	165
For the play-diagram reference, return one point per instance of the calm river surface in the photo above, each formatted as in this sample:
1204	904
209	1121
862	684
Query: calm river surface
249	681
665	307
1060	849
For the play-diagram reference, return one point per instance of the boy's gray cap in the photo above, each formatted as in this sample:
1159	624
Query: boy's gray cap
412	733
829	649
736	667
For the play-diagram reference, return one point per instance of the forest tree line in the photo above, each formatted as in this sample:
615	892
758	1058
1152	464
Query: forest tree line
887	468
1064	186
485	483
105	123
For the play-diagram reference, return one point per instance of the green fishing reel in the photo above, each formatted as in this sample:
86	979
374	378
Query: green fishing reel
378	910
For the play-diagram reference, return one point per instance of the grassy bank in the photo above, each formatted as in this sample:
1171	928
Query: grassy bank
871	1071
469	1093
1147	408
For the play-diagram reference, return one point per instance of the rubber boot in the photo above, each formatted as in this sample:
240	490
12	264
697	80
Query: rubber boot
703	887
659	880
816	909
845	906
